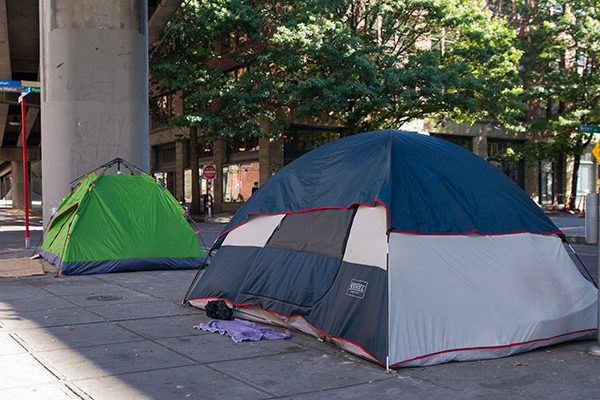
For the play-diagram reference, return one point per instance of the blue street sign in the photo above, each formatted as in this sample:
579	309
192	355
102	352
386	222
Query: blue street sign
10	86
10	83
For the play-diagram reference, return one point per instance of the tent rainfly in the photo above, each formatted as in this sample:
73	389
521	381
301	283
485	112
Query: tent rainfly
402	248
118	223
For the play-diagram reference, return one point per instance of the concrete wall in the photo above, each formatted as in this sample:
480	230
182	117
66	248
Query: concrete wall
94	76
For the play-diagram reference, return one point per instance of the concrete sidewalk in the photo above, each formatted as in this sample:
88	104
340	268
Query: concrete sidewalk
126	336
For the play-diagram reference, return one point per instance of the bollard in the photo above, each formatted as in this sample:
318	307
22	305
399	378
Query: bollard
591	218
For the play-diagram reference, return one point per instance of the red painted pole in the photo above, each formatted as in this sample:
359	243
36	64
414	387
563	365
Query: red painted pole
25	171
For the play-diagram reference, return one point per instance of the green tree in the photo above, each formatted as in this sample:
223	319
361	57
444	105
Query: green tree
560	41
362	65
184	64
374	64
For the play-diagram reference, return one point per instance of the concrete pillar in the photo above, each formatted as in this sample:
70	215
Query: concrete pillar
18	184
570	166
94	77
480	146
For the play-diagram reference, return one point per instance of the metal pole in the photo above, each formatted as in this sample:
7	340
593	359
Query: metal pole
209	197
595	349
25	171
389	301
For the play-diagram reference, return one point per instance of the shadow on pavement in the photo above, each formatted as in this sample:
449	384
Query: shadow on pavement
126	336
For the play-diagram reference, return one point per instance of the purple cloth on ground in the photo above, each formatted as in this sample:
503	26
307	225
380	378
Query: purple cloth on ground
243	330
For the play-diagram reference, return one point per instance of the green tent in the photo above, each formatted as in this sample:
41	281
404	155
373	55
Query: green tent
116	223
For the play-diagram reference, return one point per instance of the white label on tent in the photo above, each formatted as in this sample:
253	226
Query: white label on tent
357	288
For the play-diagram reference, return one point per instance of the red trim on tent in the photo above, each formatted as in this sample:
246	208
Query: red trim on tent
494	347
476	231
400	362
389	218
306	210
66	209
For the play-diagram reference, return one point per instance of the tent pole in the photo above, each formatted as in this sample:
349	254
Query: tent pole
387	357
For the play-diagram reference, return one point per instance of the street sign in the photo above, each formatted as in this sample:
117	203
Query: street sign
10	86
596	151
10	83
589	129
14	89
31	89
210	172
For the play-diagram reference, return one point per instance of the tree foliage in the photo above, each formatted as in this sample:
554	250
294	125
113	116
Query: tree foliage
560	41
359	64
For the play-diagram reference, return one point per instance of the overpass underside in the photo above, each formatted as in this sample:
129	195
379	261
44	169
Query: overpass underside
87	103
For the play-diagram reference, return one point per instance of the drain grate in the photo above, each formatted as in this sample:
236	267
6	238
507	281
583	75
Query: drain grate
105	298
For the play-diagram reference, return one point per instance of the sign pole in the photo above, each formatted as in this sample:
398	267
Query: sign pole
209	198
210	173
25	170
25	87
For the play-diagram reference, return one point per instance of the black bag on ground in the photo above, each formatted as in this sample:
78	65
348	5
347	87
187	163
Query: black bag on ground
217	309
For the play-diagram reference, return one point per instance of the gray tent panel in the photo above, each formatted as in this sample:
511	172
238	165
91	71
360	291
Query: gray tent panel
450	294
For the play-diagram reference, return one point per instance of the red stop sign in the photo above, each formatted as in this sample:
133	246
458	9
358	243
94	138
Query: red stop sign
210	172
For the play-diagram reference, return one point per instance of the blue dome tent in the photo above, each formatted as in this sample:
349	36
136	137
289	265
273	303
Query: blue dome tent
402	248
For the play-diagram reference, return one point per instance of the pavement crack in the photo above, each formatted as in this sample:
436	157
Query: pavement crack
242	381
324	391
52	371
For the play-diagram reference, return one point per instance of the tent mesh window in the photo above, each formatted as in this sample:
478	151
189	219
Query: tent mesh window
321	232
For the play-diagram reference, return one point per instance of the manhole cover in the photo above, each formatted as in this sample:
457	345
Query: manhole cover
105	298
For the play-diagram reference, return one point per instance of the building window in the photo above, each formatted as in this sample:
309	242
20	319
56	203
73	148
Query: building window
187	185
205	150
466	142
242	145
165	154
166	179
233	42
161	111
238	180
299	139
498	152
546	182
234	74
